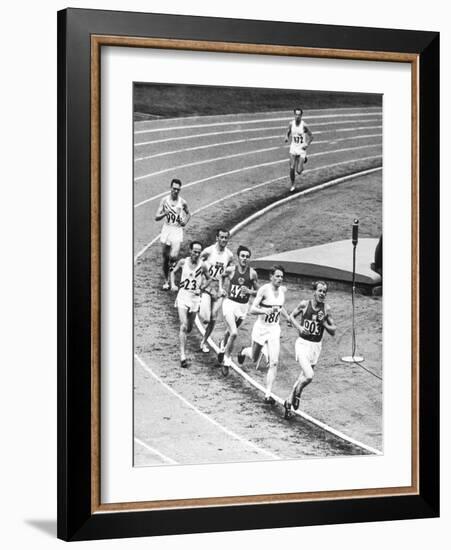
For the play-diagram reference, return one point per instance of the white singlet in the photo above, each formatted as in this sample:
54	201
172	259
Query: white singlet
189	293
216	261
271	318
172	231
298	141
266	329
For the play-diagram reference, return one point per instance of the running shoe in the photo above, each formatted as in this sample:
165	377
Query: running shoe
292	188
225	367
240	357
184	363
221	352
166	286
204	348
269	400
288	414
296	400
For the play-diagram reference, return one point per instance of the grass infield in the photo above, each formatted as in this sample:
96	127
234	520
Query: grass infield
179	100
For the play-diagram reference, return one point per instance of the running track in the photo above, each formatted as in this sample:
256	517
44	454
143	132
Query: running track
221	160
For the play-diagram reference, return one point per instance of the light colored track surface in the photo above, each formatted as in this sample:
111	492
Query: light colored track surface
251	189
198	197
194	422
166	122
259	214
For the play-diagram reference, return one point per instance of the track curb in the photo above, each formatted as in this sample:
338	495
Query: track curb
235	367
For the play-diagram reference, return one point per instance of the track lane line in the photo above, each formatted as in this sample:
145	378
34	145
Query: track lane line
279	400
261	129
206	161
239	438
304	415
234	230
154	451
252	188
196	182
252	121
235	367
274	136
262	113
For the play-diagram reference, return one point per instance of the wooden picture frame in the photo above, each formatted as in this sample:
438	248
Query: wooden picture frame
81	35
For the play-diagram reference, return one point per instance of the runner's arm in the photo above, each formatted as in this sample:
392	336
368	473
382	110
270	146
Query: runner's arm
221	289
254	280
227	276
205	253
285	314
257	308
298	310
329	323
177	267
161	212
207	277
309	135
287	137
187	214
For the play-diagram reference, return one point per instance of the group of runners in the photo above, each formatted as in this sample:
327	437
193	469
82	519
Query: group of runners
212	279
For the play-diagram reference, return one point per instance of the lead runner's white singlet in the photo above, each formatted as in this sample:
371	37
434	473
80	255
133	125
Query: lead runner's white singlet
298	141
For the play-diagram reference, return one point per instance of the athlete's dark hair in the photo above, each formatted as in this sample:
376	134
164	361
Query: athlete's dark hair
192	243
242	248
275	268
176	180
298	109
222	230
315	285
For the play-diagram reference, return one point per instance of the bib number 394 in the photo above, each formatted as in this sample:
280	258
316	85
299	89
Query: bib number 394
171	218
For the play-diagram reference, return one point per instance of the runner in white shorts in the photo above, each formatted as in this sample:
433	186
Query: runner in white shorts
241	281
193	273
315	316
268	305
176	215
301	137
217	257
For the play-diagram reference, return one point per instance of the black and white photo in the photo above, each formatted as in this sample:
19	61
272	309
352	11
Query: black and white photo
257	243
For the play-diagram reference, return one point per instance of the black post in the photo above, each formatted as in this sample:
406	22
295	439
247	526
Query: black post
355	238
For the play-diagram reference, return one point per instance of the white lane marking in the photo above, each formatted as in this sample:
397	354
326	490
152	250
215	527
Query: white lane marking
154	451
239	438
252	121
199	162
331	183
186	185
262	113
258	129
274	136
300	413
154	240
237	228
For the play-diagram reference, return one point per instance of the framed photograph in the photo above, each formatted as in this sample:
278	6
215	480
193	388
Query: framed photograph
248	274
